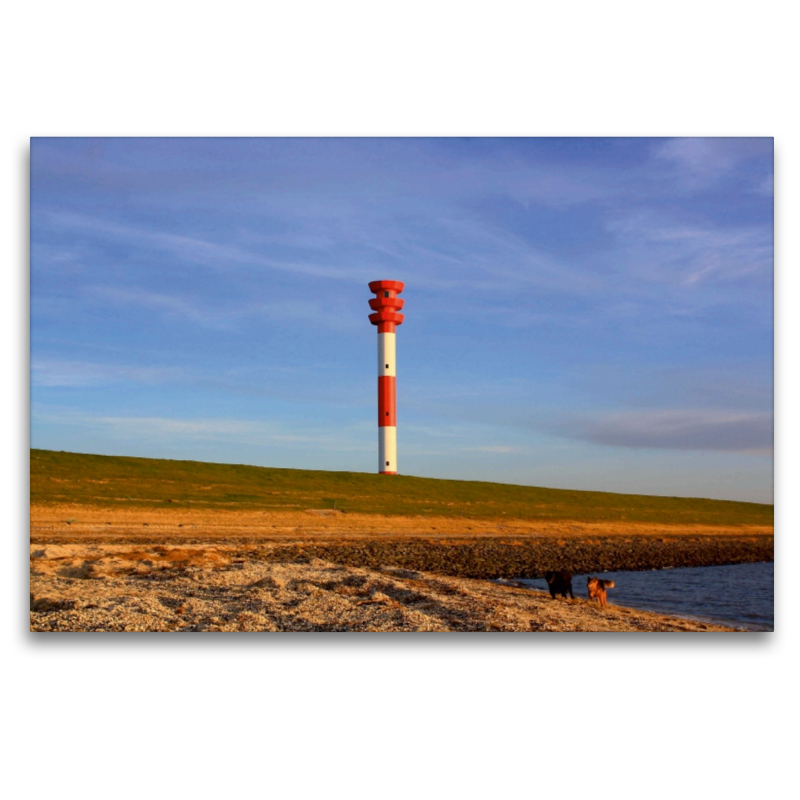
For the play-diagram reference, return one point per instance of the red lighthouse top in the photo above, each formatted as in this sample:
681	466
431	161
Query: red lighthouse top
386	305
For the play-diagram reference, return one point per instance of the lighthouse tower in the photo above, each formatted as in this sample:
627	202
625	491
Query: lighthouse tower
386	305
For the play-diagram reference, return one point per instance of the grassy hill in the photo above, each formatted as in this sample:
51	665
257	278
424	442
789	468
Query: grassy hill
58	477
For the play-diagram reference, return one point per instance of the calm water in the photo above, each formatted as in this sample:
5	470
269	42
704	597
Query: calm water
739	595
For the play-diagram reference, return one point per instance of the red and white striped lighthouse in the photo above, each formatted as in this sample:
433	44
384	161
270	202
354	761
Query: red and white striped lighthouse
386	305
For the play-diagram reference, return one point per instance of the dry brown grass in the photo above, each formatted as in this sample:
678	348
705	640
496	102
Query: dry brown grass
99	523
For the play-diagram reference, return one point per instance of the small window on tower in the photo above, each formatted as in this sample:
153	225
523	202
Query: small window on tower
386	294
387	463
387	413
387	366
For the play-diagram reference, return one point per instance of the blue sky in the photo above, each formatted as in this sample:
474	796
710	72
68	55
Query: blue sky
580	313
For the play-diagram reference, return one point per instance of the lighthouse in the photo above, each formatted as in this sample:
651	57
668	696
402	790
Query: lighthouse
386	306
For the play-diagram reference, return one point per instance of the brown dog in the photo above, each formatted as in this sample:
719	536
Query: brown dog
597	589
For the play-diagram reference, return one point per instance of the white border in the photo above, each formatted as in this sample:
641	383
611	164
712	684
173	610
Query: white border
102	716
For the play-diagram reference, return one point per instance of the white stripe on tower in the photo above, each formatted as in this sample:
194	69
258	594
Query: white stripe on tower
387	449
387	349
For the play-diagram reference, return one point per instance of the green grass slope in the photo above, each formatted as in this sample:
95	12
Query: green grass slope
58	477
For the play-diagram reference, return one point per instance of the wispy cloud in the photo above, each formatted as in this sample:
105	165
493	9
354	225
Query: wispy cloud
224	315
219	257
181	307
427	244
492	448
681	429
351	438
700	162
53	372
62	259
660	250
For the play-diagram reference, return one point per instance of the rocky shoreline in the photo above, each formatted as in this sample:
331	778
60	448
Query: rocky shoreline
489	558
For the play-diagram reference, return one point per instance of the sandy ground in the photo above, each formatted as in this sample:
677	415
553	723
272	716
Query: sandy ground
102	587
52	522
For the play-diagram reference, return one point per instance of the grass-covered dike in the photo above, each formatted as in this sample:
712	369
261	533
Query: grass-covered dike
59	477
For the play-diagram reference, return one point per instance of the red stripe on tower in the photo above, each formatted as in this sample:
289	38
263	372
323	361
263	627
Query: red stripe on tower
387	401
386	306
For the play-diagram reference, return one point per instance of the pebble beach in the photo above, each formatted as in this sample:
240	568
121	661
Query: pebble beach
196	588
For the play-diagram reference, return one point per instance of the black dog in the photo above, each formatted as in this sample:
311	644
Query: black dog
559	583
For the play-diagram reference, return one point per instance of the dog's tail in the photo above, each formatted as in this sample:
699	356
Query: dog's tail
606	584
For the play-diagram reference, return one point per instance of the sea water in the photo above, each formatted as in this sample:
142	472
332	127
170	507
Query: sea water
737	595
